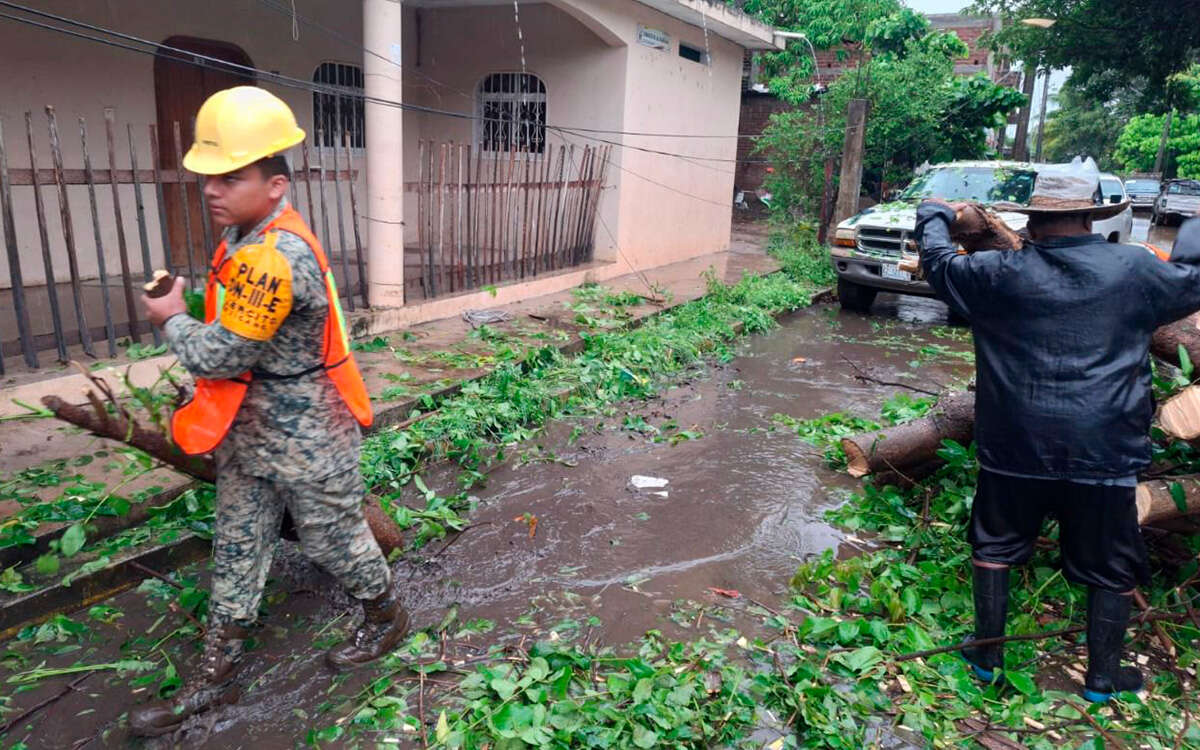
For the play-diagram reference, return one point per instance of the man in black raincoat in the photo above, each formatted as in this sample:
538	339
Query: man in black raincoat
1063	405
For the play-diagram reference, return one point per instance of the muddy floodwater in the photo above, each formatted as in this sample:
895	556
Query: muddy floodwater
741	506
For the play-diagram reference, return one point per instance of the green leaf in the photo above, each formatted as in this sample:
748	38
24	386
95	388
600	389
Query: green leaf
72	540
643	737
861	659
847	631
47	564
443	728
1185	362
642	690
1022	682
1178	495
503	687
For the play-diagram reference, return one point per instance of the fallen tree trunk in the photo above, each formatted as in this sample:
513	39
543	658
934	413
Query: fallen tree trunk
914	443
95	419
903	448
1156	503
1167	340
1179	416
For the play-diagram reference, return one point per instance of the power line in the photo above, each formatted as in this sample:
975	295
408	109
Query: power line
280	8
213	63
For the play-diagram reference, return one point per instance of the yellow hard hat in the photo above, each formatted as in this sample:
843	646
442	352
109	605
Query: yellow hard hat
239	126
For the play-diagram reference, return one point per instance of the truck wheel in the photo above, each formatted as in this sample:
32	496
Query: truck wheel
855	297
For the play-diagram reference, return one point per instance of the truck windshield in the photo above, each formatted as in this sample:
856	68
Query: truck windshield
1141	186
1110	186
1184	188
982	184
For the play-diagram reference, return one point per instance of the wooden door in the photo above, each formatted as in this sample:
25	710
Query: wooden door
180	87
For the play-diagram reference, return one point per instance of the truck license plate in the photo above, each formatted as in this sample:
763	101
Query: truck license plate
893	272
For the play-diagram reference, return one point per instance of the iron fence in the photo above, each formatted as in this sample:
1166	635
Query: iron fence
480	218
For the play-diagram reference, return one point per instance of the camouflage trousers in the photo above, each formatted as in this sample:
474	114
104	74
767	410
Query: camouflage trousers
329	521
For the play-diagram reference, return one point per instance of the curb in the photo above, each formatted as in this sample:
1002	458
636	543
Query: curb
39	605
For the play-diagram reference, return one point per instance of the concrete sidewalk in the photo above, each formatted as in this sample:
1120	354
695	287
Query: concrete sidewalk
400	366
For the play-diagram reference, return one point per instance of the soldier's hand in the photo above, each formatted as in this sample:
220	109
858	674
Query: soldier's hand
158	310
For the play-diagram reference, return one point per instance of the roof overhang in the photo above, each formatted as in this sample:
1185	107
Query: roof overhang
716	16
722	20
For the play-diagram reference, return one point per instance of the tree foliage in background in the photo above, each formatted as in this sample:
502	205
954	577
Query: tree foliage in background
1138	142
1137	145
919	109
1087	124
1108	44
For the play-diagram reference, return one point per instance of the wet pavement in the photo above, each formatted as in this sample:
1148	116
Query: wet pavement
1158	235
742	506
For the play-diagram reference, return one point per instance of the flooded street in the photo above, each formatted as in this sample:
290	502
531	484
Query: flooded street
561	535
1158	235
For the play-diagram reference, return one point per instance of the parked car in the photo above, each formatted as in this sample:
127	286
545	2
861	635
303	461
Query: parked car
1178	200
1142	191
1114	228
868	247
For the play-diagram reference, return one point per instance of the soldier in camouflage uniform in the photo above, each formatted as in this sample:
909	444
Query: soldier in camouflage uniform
293	441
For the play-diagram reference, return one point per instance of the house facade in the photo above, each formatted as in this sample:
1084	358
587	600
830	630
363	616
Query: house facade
453	145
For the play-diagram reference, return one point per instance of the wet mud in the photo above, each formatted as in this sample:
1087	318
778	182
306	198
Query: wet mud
742	505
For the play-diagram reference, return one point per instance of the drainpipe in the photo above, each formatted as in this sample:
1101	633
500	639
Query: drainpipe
382	28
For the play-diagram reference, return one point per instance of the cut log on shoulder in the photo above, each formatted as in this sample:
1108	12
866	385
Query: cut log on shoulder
1180	415
95	419
1156	503
914	443
977	227
1167	340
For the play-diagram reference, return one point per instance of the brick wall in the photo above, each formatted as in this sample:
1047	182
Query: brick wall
756	111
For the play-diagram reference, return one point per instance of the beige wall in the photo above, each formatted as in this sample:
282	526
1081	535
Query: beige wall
458	47
80	78
657	209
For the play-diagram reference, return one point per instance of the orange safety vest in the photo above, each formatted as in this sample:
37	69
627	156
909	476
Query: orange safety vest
200	425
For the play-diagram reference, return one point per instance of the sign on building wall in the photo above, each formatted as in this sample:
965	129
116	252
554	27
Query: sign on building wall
654	38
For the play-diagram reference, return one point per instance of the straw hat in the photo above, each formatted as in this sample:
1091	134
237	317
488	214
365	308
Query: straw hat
1063	189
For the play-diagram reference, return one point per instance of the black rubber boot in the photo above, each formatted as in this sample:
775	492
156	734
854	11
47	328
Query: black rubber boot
1108	618
384	625
211	686
991	611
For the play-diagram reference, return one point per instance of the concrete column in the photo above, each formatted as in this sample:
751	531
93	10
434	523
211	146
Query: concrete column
384	207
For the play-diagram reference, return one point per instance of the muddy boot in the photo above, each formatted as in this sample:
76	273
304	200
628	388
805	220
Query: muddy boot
991	611
384	624
211	686
1108	617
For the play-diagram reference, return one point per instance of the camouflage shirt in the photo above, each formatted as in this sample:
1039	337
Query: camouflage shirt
290	429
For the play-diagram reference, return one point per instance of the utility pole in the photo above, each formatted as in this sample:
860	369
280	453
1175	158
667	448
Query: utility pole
1042	118
850	181
1160	160
1021	141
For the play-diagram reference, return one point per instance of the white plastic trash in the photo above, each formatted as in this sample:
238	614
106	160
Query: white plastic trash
643	482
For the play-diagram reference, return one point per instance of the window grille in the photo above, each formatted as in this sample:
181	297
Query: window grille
512	112
334	114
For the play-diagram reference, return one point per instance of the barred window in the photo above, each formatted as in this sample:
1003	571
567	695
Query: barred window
337	113
512	111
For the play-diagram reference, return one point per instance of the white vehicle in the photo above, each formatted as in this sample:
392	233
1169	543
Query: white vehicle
1114	228
868	247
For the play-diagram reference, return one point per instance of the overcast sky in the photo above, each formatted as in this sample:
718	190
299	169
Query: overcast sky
938	6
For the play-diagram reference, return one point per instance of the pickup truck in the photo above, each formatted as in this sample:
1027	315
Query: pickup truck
1178	200
868	247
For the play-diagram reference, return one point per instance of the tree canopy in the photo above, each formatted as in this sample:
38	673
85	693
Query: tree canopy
1107	43
919	109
